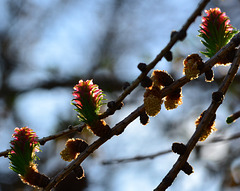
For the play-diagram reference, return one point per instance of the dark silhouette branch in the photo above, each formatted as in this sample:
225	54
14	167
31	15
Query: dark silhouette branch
65	132
119	128
210	112
179	36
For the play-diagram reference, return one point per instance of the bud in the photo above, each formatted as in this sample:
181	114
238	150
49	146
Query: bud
232	118
146	82
73	148
152	101
215	31
179	148
88	100
144	119
161	78
192	65
173	34
168	55
100	128
142	67
209	75
22	157
79	172
174	99
24	145
187	168
217	96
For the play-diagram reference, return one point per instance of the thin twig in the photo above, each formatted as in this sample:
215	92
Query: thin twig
65	132
206	119
157	154
136	158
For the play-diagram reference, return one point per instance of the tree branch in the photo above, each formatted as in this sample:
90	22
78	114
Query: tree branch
210	112
70	130
119	128
151	65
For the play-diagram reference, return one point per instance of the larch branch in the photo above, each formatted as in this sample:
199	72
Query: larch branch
210	112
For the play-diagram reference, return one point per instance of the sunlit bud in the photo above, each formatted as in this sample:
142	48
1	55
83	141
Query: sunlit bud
99	128
208	129
174	99
161	78
73	148
22	157
215	31
88	100
24	145
152	101
192	65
